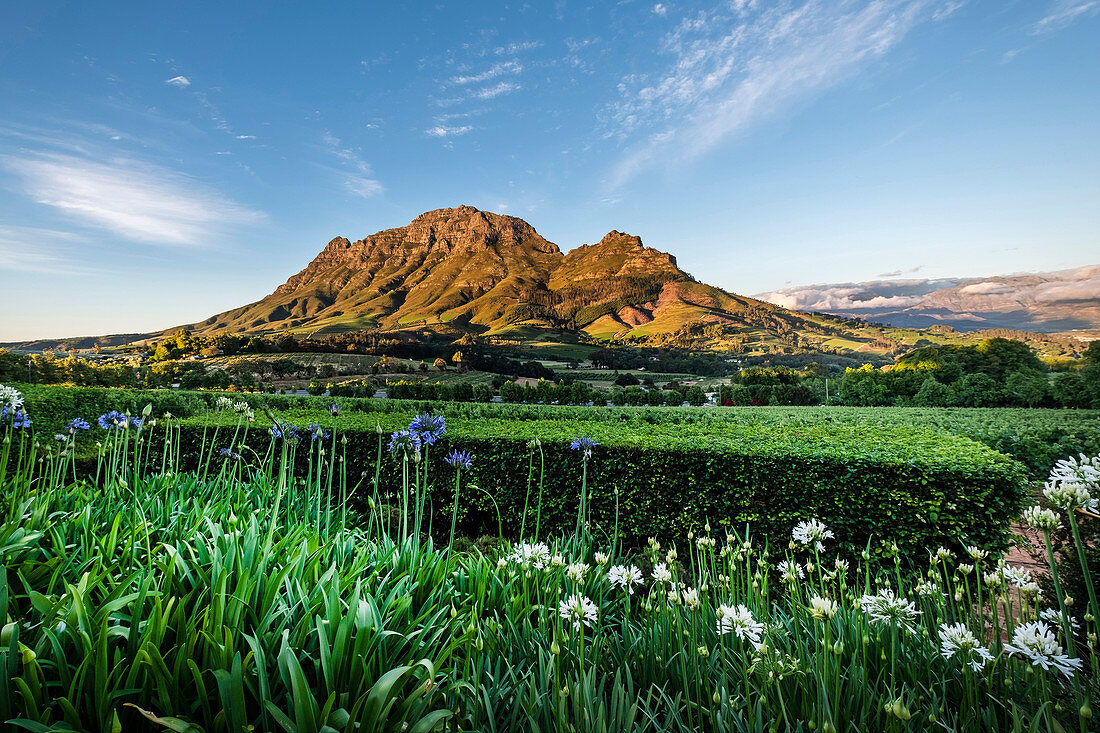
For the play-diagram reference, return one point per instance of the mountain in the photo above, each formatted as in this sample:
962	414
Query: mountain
1049	302
474	270
450	272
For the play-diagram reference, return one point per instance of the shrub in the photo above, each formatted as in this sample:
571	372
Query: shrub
920	488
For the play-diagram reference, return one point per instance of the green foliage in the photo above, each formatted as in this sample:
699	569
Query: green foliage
241	598
1036	438
921	487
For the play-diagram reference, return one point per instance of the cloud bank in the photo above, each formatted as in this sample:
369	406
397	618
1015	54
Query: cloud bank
138	201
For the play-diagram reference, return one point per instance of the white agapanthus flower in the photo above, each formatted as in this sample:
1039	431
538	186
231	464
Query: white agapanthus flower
791	572
1041	518
942	553
626	576
661	573
738	620
576	571
1070	495
957	640
1082	468
1054	616
822	609
928	589
1037	643
1030	589
557	561
601	558
531	555
1073	483
885	607
811	532
1019	577
579	610
10	397
687	596
976	553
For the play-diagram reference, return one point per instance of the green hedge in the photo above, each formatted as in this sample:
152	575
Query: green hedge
675	469
1036	438
919	488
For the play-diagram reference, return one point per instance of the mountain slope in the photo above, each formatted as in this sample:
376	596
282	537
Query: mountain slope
1045	302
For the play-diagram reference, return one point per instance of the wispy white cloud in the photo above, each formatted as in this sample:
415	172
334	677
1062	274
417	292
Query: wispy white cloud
504	87
499	69
948	9
362	182
135	200
178	81
363	186
734	66
246	137
660	9
515	47
448	131
1062	13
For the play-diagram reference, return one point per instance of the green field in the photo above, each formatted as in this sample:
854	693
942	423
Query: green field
203	573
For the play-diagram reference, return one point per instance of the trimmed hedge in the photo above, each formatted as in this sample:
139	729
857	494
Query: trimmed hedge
1036	438
919	488
674	469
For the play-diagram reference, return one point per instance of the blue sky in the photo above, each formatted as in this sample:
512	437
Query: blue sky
163	162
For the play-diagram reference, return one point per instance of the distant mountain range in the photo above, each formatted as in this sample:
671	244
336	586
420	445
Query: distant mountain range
1047	302
461	270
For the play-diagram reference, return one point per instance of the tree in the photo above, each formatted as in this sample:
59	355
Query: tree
932	393
695	395
1028	385
1069	390
626	379
579	393
440	364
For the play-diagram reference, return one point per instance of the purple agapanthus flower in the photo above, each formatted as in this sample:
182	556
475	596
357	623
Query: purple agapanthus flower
228	453
111	420
286	431
460	459
15	417
334	409
77	423
585	445
20	420
115	420
430	428
406	442
316	432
